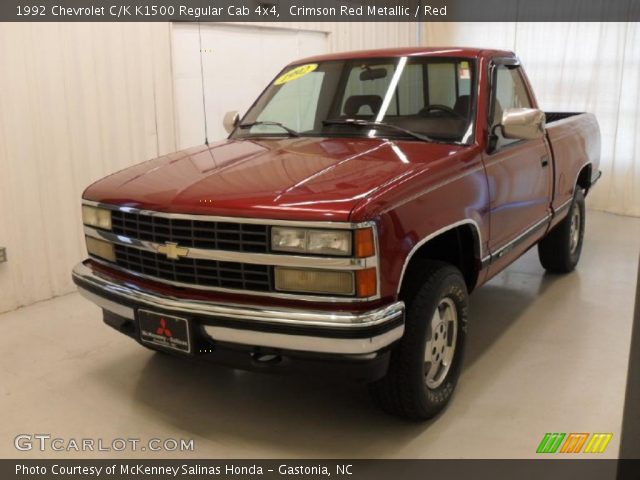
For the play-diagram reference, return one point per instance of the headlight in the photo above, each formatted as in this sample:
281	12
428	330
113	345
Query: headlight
314	281
321	242
101	249
329	242
288	239
96	217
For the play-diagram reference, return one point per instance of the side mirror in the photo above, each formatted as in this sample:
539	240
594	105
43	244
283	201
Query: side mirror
523	123
231	120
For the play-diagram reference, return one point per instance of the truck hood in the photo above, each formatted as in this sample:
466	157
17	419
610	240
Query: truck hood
307	178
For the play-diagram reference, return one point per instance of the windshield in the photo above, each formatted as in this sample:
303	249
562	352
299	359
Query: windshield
428	96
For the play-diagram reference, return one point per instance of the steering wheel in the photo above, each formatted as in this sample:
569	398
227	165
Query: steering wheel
441	108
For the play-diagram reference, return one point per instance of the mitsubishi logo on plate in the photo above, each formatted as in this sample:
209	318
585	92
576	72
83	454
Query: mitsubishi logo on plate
172	250
162	329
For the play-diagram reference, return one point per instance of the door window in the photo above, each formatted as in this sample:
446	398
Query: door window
510	92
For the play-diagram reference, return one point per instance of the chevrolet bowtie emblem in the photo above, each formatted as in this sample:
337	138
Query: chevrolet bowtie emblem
172	250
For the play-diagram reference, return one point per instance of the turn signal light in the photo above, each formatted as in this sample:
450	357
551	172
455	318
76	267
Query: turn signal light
367	282
364	243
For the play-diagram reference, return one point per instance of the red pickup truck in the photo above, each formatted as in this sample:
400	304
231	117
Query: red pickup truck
344	221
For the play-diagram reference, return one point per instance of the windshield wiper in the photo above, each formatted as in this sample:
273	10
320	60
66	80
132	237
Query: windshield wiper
290	131
366	123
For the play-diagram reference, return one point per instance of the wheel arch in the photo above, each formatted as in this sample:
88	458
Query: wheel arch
459	244
583	180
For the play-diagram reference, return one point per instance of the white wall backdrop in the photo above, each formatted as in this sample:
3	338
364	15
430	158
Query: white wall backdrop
265	47
591	67
206	84
79	101
344	36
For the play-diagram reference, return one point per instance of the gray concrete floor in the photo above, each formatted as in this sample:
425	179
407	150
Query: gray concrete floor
545	354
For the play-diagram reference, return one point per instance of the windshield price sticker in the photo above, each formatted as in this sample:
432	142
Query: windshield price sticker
296	73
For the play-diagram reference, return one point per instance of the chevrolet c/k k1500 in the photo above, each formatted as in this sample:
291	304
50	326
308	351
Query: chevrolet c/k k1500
344	221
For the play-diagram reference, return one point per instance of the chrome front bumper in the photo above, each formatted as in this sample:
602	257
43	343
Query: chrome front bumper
346	333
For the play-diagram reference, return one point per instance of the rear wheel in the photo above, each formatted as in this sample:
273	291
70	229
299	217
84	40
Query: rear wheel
559	251
425	364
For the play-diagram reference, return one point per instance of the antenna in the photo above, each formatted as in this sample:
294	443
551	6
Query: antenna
204	103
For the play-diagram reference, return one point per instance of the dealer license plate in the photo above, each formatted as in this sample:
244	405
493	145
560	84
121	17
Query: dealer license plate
165	331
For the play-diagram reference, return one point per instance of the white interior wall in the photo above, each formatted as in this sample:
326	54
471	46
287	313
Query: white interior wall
209	54
592	67
265	48
345	36
79	101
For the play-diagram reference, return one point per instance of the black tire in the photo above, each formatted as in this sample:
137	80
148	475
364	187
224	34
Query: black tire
403	391
559	251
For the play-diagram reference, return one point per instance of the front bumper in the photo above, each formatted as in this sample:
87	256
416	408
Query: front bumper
292	330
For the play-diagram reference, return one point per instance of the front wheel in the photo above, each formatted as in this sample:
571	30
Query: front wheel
425	364
559	251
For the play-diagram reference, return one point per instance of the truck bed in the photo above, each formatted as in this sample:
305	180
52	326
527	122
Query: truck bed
575	143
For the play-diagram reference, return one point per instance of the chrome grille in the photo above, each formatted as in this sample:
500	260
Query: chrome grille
236	237
209	273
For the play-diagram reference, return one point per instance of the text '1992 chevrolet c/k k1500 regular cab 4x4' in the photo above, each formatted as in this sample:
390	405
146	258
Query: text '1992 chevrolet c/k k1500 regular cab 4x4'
345	220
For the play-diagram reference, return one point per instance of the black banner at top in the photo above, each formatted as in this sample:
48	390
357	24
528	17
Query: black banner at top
319	11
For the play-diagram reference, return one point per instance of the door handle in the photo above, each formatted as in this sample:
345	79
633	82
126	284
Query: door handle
544	161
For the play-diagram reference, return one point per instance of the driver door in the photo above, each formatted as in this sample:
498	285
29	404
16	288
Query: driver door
519	174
